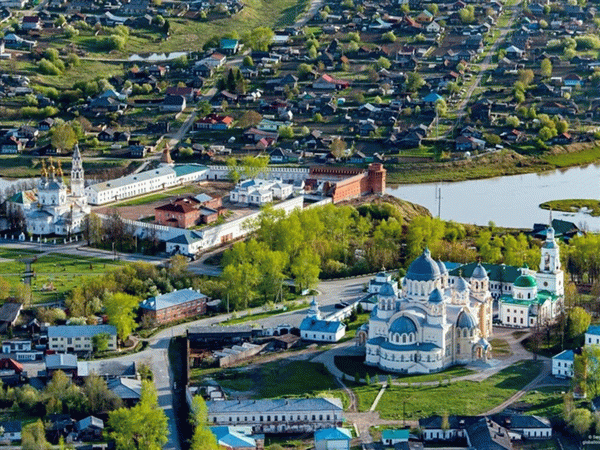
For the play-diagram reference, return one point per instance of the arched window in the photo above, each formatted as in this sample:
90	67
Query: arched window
457	349
404	338
464	332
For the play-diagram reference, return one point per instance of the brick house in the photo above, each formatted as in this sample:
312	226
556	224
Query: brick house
189	211
175	305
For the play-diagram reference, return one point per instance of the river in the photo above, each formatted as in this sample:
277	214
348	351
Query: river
510	201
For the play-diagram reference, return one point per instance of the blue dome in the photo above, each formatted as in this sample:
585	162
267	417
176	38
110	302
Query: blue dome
387	290
461	285
442	268
403	325
465	320
424	268
436	296
479	273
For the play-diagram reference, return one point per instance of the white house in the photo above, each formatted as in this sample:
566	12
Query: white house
314	328
12	430
73	338
16	345
259	192
592	335
333	439
393	437
562	364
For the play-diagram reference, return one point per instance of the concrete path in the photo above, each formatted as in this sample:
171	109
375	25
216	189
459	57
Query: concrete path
379	395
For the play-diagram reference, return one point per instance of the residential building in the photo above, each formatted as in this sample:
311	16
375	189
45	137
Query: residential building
333	439
176	305
297	415
64	362
11	430
127	389
70	338
173	103
393	437
315	328
592	335
16	345
562	364
9	313
89	429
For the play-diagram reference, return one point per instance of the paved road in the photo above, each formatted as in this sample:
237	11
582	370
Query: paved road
486	64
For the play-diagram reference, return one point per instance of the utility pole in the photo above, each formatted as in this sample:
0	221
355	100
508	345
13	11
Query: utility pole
438	197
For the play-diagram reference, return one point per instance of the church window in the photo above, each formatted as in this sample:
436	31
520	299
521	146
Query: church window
464	332
457	349
404	338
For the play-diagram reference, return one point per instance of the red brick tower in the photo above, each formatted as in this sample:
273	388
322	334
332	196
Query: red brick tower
376	178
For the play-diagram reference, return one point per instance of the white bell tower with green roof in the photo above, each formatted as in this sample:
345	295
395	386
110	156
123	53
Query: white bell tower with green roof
550	276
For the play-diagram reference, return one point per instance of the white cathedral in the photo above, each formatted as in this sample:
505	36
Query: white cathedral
437	319
59	211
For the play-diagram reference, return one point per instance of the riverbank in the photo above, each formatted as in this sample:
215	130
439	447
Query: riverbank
591	207
497	164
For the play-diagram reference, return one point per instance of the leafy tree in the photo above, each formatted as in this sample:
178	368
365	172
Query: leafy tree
547	133
581	421
98	397
260	38
143	427
546	68
63	136
234	172
389	36
33	437
578	321
467	14
240	282
525	76
100	342
305	268
203	438
383	63
92	228
512	121
286	132
304	70
249	119
337	148
248	61
61	395
441	108
120	311
414	81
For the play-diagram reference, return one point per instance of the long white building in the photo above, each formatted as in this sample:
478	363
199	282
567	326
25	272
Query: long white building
297	415
143	183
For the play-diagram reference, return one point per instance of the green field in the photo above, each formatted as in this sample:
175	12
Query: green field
585	156
55	275
462	397
573	205
545	402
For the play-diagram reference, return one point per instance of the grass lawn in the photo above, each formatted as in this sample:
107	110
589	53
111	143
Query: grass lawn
545	402
585	156
262	315
351	365
462	397
55	275
573	205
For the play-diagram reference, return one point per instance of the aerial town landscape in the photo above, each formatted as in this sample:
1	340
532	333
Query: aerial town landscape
298	224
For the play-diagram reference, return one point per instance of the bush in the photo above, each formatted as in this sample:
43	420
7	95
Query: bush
46	67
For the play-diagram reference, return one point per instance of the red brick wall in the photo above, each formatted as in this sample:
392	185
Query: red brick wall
184	220
357	181
182	311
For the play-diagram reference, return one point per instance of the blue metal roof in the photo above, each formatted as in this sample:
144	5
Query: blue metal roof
171	299
424	268
395	434
187	169
594	329
333	434
322	326
565	355
72	331
231	437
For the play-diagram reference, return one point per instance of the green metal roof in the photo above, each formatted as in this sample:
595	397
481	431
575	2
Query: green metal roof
540	299
186	169
525	281
496	272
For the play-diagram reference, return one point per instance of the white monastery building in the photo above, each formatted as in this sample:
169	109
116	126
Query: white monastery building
58	210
